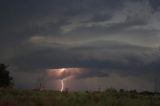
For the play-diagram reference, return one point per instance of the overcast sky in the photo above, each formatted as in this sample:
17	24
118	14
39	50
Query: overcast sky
115	43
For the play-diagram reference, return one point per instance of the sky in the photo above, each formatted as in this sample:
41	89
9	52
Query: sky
100	43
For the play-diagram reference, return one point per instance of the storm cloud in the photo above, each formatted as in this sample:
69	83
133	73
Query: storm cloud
105	37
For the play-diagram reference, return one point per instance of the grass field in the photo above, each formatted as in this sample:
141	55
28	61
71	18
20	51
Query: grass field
110	97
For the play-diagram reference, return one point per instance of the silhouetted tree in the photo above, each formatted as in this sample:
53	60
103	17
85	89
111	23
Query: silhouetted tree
122	90
5	78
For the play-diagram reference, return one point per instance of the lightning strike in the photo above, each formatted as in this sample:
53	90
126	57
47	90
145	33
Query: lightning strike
62	85
63	74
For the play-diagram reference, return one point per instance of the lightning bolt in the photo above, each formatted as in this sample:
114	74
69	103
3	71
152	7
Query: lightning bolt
62	85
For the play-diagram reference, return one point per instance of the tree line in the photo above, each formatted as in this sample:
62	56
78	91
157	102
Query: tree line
5	78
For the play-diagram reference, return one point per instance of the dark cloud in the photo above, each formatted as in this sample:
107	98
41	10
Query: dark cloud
26	18
103	55
155	4
104	37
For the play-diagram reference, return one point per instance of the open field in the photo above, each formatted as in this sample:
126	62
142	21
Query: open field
15	97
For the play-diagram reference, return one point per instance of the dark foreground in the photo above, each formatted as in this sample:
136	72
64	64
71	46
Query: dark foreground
110	97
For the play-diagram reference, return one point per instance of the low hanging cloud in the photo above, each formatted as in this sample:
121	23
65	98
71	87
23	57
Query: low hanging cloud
100	58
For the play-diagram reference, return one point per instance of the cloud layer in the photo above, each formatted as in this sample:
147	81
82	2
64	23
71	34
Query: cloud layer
104	37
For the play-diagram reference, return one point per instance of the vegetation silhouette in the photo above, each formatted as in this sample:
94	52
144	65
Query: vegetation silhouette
5	78
109	97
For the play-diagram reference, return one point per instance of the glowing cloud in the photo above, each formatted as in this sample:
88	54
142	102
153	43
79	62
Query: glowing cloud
63	74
